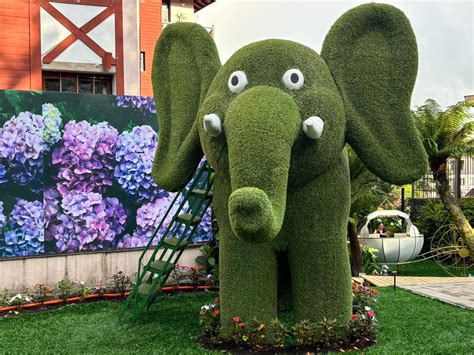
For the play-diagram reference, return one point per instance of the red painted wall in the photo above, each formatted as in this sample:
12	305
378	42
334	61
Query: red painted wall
150	29
19	37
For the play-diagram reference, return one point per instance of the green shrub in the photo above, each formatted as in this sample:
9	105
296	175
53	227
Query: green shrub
369	260
434	215
65	287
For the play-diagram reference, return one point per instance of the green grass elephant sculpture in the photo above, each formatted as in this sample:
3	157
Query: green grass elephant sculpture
273	122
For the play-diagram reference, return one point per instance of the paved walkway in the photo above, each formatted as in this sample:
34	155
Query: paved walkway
382	281
458	291
459	294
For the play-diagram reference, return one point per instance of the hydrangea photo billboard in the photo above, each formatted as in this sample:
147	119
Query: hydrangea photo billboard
75	173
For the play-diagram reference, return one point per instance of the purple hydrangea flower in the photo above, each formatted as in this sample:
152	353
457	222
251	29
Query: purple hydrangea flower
52	124
87	222
204	229
51	198
3	218
3	174
134	155
149	217
22	147
25	236
142	104
85	157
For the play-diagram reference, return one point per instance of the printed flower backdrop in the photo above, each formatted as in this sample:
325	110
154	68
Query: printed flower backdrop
77	183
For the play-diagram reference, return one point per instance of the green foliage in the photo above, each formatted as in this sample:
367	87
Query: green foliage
42	292
372	53
209	259
65	287
279	333
209	319
184	65
433	216
445	134
121	282
306	333
4	297
210	252
369	260
84	290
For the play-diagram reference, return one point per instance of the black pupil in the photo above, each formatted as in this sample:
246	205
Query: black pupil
294	78
234	81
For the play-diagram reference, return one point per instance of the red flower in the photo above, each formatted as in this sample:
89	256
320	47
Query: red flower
236	319
195	267
371	314
216	300
242	325
355	316
216	312
375	292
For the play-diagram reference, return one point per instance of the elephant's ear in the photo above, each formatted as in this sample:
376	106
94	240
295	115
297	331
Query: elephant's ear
185	62
372	54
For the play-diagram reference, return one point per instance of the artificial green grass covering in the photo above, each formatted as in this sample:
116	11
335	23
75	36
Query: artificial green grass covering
184	65
407	324
281	196
372	53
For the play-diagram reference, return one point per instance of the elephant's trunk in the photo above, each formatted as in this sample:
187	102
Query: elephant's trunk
261	126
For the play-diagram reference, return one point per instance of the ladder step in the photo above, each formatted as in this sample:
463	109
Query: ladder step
201	193
144	289
175	242
187	218
159	265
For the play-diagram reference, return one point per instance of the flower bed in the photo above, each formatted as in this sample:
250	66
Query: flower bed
182	279
327	335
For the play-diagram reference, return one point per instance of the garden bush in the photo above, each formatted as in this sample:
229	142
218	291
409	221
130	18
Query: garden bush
434	216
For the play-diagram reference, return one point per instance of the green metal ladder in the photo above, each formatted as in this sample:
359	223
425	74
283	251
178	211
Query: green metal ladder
152	275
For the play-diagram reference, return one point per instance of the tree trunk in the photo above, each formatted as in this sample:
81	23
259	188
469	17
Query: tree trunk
451	205
356	254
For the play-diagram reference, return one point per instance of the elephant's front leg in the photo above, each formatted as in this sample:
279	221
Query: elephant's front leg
248	281
316	230
321	279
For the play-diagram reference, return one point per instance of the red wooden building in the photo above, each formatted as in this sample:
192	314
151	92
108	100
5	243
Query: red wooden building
89	46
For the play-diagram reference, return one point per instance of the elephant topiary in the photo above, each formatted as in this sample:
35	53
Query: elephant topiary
273	122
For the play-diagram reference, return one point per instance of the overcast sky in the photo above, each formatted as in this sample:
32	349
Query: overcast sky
444	31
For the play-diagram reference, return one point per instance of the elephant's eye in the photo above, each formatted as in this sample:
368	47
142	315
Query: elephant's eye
293	79
237	81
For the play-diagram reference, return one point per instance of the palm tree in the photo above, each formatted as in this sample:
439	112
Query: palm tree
367	192
447	134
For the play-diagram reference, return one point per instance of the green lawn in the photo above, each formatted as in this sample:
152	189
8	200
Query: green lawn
408	323
427	268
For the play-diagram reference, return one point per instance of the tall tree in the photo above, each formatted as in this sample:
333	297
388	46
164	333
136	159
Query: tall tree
447	134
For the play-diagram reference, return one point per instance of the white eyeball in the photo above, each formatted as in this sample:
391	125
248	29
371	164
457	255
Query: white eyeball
293	79
237	81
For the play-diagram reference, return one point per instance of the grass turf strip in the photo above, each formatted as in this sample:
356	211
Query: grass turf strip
407	324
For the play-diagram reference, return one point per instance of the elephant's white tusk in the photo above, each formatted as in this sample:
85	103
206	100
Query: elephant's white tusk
313	127
212	125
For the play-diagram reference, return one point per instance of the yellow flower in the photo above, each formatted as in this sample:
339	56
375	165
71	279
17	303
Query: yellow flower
261	326
245	338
